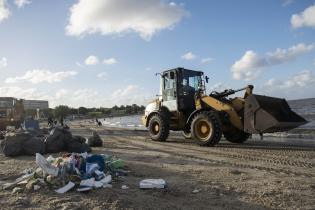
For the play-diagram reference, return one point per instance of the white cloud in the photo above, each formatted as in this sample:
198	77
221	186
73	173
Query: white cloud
305	18
206	60
3	62
219	87
145	17
91	60
132	94
37	76
4	10
302	79
287	2
251	64
188	56
101	75
18	92
21	3
110	61
296	86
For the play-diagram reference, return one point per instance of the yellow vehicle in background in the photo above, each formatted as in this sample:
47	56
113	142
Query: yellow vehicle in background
183	105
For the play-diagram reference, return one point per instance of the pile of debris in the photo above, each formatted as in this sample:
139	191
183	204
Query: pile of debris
81	170
59	139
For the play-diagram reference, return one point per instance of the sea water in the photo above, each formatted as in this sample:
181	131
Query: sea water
303	107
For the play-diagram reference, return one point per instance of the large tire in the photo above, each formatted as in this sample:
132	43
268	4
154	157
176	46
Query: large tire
236	136
186	134
158	127
206	128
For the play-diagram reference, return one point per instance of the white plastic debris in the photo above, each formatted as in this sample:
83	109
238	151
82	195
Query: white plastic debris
107	186
66	188
88	182
152	183
36	187
106	180
46	166
124	187
196	191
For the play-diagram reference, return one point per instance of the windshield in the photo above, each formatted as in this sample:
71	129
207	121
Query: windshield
191	79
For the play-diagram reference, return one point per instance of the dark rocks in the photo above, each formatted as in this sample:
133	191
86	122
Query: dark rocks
60	139
95	140
33	145
12	145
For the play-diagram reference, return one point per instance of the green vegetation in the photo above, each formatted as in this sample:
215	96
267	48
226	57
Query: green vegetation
64	111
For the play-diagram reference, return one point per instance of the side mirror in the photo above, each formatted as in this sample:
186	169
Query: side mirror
207	79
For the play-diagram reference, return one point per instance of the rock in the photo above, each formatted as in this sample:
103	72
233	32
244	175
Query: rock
95	140
79	139
12	145
33	145
55	142
17	190
74	146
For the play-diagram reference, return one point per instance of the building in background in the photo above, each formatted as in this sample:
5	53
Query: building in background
35	104
7	102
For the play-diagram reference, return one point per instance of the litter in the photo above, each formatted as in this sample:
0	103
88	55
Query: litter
46	166
152	183
81	170
196	191
124	187
66	188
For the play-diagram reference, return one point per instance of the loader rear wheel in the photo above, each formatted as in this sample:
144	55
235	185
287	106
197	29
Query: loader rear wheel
236	136
206	128
158	128
186	134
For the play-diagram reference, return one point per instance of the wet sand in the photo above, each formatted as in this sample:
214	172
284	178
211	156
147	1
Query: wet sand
271	174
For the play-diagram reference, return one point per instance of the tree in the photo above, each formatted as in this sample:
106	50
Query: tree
61	111
83	110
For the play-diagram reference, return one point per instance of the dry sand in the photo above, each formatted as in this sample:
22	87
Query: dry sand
256	175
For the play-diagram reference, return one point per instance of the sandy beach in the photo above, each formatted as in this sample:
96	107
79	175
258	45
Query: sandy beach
269	174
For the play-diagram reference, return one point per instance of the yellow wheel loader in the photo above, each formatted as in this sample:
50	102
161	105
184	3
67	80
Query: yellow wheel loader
183	105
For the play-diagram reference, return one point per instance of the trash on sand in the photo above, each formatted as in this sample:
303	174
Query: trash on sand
196	191
82	170
46	166
152	183
124	187
36	187
65	188
17	190
20	179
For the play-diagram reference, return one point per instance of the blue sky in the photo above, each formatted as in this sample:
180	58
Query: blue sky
106	53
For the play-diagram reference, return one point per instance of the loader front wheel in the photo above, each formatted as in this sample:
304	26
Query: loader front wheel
158	128
206	128
236	136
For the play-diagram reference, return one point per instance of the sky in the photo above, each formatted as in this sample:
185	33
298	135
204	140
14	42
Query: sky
103	53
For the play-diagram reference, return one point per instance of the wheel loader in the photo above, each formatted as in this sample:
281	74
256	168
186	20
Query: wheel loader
183	105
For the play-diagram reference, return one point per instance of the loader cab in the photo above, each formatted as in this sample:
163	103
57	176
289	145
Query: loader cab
179	87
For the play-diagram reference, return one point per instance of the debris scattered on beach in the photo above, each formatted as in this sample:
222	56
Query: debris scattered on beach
82	171
152	183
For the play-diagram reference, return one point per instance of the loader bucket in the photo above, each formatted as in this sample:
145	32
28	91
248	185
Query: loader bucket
263	114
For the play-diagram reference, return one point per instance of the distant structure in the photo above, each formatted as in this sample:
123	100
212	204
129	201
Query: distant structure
7	102
35	104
